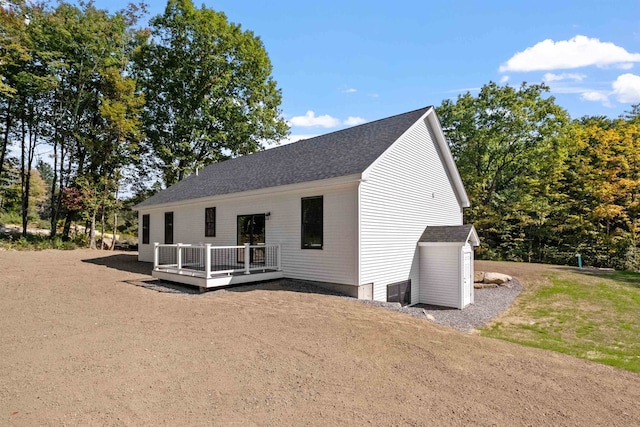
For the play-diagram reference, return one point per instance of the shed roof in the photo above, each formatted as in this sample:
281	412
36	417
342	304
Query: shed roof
450	234
342	153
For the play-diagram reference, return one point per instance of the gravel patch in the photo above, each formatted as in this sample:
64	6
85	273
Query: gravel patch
489	303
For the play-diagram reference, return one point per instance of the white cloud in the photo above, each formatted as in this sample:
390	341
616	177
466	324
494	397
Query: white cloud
627	88
353	121
310	120
580	51
350	90
551	77
597	96
374	95
504	79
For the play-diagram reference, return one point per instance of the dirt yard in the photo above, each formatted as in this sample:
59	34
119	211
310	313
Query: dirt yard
81	345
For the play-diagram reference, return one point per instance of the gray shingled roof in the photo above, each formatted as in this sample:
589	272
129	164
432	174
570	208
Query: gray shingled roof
345	152
449	233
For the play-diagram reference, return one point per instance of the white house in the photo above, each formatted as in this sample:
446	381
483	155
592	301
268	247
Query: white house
374	211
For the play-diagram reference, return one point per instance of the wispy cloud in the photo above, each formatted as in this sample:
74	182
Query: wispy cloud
311	120
551	77
463	90
354	121
504	79
350	90
580	51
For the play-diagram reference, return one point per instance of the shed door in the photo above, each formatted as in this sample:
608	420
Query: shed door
466	278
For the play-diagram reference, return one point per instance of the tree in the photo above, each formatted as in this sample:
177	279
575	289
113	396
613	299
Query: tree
602	181
209	90
509	145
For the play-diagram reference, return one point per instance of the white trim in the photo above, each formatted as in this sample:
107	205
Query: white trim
442	244
448	158
358	262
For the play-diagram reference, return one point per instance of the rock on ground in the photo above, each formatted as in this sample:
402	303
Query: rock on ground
498	278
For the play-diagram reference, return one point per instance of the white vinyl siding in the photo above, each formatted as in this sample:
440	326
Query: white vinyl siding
334	263
404	191
440	275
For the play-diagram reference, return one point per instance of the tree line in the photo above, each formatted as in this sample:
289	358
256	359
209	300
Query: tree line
113	102
543	187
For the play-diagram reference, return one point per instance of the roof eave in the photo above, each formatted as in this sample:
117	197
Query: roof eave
327	182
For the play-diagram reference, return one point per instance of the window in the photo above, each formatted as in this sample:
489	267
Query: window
210	222
312	222
145	229
168	228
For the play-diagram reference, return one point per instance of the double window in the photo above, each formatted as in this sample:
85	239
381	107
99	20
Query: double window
145	229
312	219
210	222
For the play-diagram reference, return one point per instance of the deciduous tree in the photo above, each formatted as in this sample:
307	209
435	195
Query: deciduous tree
209	90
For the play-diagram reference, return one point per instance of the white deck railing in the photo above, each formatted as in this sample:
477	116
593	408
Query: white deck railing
206	260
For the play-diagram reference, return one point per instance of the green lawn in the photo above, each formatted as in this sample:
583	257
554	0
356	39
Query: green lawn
594	316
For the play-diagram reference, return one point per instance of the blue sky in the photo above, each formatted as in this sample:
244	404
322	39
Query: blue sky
341	63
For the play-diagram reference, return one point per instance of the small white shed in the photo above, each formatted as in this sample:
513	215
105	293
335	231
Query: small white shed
446	265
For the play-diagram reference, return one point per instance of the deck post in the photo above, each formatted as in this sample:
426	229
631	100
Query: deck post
179	257
279	257
247	258
156	257
207	260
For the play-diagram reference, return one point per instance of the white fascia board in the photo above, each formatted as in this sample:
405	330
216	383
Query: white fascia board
473	237
448	158
441	244
302	186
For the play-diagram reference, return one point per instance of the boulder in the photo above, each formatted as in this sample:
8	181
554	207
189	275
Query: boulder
485	285
478	276
497	278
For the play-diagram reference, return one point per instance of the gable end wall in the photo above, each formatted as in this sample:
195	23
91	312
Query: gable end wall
405	191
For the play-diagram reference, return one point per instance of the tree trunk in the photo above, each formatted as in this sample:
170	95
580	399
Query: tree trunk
54	207
67	226
115	229
92	231
5	139
25	175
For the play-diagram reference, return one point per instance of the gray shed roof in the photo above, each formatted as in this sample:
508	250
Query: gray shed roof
450	234
345	152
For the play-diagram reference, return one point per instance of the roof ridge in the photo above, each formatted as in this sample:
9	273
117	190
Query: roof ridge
331	133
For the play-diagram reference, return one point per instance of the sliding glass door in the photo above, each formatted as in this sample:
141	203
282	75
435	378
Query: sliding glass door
251	229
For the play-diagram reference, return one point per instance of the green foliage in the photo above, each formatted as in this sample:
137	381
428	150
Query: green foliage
33	242
543	188
209	90
11	217
592	318
510	145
